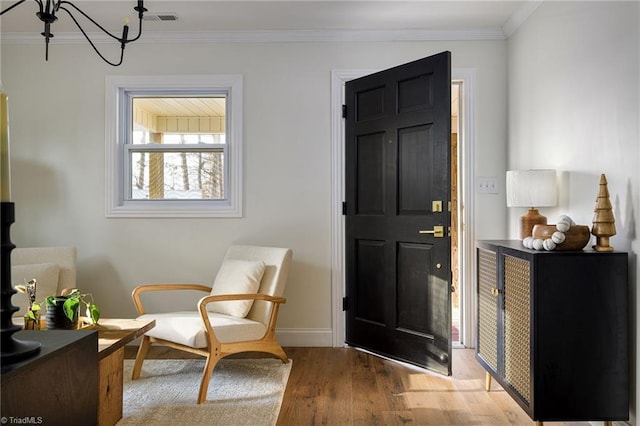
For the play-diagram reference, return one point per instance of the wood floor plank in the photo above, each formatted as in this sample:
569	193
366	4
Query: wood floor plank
345	386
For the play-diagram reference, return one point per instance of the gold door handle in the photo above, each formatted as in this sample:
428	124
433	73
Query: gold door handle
438	231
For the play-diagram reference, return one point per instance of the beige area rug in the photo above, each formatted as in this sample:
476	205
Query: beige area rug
241	392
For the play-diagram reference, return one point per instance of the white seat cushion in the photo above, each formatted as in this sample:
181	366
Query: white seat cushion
186	328
236	276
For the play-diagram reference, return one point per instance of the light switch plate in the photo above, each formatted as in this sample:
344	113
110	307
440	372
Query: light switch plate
487	185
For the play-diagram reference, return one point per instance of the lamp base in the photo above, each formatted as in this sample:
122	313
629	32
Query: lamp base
13	350
529	220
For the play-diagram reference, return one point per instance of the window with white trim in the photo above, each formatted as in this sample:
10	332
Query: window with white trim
174	146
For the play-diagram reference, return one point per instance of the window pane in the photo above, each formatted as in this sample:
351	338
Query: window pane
177	175
196	119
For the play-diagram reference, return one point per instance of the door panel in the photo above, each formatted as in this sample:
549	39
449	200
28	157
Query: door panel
413	273
397	152
370	287
371	104
415	146
370	174
415	93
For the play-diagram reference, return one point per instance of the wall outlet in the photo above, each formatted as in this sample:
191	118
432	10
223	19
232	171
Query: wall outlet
487	185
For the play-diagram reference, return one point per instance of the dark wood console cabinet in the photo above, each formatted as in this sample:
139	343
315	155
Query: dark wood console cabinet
59	385
553	329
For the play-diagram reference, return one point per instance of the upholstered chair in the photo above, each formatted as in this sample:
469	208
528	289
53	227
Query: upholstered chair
238	313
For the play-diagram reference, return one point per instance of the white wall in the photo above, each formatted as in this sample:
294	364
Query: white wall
58	156
573	105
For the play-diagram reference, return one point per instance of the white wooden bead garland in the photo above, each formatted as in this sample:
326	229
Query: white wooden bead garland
558	237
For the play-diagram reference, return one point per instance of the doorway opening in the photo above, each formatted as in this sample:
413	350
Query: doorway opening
456	323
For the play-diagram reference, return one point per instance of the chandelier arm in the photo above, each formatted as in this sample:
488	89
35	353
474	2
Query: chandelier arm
93	45
48	16
139	33
12	6
62	2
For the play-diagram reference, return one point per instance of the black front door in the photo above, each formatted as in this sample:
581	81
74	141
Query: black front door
398	179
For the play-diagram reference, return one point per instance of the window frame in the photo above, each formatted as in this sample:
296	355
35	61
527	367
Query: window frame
118	90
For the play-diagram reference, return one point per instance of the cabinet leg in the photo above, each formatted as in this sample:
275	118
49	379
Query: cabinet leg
539	423
487	382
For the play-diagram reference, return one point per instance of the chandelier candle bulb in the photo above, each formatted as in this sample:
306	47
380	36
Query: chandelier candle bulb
5	169
125	32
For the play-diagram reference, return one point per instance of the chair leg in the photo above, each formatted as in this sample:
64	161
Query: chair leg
140	356
212	360
280	353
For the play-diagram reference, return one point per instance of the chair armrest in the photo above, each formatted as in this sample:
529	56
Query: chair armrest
135	294
202	307
248	296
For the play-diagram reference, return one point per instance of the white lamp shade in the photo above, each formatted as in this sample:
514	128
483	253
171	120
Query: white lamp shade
532	188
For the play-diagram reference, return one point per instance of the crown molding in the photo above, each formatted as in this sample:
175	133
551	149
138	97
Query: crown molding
519	17
271	36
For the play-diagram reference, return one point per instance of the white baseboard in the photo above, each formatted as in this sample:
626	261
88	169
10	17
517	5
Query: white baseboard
305	337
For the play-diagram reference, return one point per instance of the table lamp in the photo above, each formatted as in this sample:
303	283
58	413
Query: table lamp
532	189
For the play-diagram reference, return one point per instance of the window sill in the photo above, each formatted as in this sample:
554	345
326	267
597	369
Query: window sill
169	209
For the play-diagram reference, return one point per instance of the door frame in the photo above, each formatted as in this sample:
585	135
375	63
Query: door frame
466	164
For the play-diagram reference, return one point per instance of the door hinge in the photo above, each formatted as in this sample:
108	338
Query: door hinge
344	111
345	304
344	207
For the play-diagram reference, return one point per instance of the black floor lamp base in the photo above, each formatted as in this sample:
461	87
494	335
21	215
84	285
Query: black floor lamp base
13	350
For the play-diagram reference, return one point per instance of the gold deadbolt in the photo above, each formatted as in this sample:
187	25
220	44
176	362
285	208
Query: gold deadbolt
436	206
438	231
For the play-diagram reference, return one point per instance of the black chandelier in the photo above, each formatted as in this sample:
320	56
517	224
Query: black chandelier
47	15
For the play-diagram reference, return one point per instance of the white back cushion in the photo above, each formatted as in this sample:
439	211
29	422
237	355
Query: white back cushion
46	275
64	257
236	276
277	261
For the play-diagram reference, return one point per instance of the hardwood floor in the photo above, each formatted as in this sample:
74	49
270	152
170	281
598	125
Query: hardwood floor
344	386
336	386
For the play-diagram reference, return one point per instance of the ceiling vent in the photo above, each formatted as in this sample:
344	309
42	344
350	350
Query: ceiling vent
160	17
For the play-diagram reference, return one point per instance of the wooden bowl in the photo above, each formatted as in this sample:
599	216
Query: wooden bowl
576	237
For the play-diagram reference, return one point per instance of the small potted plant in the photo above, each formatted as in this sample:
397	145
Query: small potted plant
32	317
63	310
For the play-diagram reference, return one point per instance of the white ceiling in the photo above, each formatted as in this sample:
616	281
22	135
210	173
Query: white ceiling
263	15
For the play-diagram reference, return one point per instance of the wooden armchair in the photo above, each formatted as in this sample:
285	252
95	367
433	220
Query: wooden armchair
250	279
